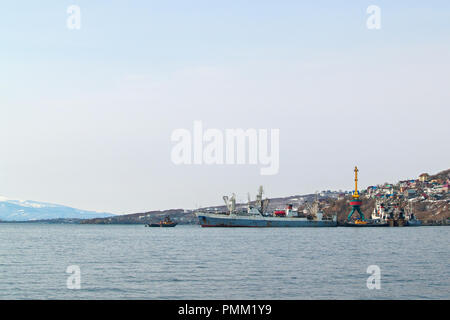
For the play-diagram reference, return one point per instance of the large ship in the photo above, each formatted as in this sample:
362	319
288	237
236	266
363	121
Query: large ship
257	215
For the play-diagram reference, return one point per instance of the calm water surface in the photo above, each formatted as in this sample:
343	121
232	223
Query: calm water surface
189	262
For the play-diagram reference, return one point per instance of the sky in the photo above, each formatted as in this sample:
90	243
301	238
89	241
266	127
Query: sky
87	115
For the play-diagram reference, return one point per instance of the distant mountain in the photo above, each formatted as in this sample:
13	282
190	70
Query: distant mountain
179	215
26	210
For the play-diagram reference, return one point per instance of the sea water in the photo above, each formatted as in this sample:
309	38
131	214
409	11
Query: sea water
37	261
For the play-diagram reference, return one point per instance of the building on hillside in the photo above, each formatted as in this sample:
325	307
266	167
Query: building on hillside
341	196
424	177
410	193
443	188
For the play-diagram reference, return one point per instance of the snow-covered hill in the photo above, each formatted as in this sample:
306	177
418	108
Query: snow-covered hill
27	210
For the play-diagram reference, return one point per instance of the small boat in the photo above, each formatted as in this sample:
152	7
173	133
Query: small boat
166	223
411	219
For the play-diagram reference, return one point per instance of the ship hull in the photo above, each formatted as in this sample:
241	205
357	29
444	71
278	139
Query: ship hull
368	225
414	223
162	225
227	221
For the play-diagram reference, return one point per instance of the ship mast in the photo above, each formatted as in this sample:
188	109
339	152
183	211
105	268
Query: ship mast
230	203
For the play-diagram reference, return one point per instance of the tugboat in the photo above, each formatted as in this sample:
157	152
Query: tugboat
380	216
166	223
411	220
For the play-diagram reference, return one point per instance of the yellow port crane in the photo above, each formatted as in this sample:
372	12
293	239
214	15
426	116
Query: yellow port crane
356	203
355	193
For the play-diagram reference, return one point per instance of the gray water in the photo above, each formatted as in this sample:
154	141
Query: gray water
190	262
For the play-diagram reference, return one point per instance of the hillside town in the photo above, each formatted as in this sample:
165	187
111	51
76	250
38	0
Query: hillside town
427	196
424	188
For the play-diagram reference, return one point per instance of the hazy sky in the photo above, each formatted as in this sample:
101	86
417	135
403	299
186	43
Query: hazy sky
87	115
